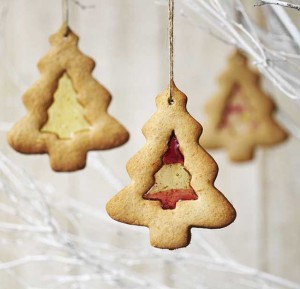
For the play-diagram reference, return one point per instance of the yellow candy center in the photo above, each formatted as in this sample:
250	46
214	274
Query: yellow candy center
173	176
66	114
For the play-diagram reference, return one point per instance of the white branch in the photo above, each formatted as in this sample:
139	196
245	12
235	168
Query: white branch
39	258
23	228
279	3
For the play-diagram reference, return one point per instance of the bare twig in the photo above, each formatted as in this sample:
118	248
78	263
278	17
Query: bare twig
83	6
279	3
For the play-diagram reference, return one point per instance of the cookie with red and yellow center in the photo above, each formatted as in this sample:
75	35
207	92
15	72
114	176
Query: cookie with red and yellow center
172	188
172	181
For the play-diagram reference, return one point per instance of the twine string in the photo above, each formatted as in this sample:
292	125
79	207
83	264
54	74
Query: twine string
65	15
171	49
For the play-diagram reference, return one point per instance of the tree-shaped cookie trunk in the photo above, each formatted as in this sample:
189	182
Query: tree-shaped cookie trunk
67	109
240	116
172	188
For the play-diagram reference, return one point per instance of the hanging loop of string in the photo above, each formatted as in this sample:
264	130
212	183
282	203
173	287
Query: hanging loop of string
171	48
65	12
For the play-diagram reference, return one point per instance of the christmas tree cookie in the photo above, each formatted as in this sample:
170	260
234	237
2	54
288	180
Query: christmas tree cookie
240	116
172	188
67	109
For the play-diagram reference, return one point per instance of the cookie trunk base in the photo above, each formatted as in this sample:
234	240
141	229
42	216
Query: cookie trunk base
240	152
67	160
169	237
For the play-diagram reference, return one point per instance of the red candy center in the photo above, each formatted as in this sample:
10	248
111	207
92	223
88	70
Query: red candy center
173	154
172	181
169	198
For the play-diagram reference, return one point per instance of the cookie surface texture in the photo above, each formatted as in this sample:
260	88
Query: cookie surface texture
66	109
172	188
240	116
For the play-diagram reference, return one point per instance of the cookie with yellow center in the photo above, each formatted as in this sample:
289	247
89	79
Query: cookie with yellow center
66	109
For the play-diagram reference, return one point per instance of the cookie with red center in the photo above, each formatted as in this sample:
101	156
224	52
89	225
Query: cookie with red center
240	116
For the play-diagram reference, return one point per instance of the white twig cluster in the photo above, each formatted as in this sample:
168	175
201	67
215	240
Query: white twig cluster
273	51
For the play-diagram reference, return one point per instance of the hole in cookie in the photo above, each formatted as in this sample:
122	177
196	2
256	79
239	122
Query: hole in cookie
66	114
66	34
238	117
172	180
171	101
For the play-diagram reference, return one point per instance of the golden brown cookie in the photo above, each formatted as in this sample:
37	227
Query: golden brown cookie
172	188
240	116
67	109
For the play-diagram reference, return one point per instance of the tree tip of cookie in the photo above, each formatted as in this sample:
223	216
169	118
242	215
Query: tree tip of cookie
64	33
